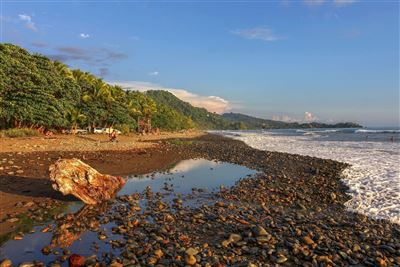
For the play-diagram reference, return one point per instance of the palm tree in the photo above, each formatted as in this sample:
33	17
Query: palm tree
143	107
64	70
98	90
74	116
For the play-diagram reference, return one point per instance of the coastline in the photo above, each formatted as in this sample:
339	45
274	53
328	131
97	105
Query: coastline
299	200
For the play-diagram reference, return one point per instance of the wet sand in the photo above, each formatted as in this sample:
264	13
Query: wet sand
24	164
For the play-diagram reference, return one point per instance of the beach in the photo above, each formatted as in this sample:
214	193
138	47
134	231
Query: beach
290	211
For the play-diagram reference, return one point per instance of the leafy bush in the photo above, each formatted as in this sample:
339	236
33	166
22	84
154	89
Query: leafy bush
19	132
124	128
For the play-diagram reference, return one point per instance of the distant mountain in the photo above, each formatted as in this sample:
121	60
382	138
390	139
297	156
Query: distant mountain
257	123
204	119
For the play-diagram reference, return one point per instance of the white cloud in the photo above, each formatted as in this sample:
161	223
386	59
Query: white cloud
313	3
284	118
154	73
84	35
259	33
309	117
344	2
211	103
28	21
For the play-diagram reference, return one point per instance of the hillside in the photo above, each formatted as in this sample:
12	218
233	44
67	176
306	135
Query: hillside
202	118
257	123
230	121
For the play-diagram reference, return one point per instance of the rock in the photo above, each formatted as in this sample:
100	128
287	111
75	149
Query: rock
158	253
190	259
18	237
191	251
46	250
72	176
6	263
29	204
308	240
281	259
225	243
115	264
263	239
12	220
152	260
76	260
381	262
260	231
356	248
235	238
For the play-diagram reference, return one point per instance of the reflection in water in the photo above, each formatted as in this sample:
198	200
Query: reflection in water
187	175
70	227
192	164
87	230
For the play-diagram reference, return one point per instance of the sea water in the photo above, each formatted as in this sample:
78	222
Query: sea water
374	156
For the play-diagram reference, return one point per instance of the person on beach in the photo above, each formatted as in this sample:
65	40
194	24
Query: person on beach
48	134
113	136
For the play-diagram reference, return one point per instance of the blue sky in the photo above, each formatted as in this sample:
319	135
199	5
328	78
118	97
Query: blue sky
335	60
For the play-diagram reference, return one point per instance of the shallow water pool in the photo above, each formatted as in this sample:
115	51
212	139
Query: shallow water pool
194	180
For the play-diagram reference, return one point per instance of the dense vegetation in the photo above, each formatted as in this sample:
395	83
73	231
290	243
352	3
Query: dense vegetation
36	92
200	116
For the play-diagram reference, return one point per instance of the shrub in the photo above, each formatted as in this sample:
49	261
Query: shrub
124	128
19	132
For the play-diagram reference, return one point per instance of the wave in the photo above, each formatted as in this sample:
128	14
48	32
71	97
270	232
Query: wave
377	131
371	176
319	131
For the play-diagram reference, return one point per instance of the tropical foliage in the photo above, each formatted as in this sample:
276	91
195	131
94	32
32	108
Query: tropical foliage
37	92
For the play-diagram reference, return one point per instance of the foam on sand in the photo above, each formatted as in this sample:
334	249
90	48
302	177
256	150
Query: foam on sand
374	175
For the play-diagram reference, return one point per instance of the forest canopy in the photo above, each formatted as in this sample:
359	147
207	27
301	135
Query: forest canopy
36	91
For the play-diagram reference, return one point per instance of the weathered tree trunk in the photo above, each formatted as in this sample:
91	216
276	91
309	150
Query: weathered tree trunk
72	176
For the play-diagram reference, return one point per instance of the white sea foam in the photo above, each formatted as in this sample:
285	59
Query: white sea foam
376	131
374	175
319	131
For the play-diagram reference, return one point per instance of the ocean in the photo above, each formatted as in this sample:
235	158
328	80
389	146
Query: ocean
373	153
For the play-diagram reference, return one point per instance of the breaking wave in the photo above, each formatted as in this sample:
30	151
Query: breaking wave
374	175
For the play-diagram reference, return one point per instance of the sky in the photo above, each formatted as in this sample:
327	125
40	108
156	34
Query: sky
312	60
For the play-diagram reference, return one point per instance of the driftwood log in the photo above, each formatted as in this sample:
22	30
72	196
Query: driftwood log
72	176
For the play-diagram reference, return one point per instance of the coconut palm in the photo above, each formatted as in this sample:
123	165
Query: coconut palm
64	70
74	117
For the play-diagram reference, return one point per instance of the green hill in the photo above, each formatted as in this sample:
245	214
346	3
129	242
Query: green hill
257	123
202	118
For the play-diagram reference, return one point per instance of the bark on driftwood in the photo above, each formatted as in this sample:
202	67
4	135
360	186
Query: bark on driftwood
72	176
